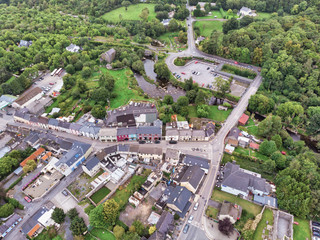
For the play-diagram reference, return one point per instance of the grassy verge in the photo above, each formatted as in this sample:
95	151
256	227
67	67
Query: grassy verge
99	233
214	113
301	231
266	216
250	207
212	212
132	13
238	71
100	194
249	165
206	27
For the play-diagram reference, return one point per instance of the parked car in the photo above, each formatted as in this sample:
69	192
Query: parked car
156	141
196	206
183	73
190	219
316	234
186	228
27	199
195	62
315	224
208	68
236	62
51	83
173	142
142	142
65	192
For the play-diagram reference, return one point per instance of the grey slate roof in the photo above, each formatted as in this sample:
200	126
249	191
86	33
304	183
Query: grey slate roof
158	123
172	132
191	160
236	178
157	236
126	131
179	197
33	220
151	117
92	162
123	148
149	130
75	126
78	150
64	125
53	122
234	133
90	129
210	127
165	222
193	175
172	153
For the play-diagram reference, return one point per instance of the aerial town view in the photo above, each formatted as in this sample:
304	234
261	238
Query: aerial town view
160	120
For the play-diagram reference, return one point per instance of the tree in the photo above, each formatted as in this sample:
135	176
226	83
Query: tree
173	25
191	95
6	210
86	72
279	159
267	148
268	166
225	226
140	229
221	86
162	70
126	4
202	97
229	25
152	229
98	112
30	166
77	226
278	140
118	231
289	110
96	217
183	37
168	99
70	69
144	14
72	213
101	95
138	66
202	111
110	211
261	104
131	236
270	126
58	215
183	101
313	127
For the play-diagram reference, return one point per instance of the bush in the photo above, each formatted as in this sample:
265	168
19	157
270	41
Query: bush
6	210
239	71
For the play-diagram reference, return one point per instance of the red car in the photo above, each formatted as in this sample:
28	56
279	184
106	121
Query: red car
283	153
195	62
236	62
27	199
51	83
183	73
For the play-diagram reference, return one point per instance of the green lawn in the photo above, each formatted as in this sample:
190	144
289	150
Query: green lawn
132	13
101	234
301	231
214	113
206	27
122	196
212	212
252	128
262	15
100	194
214	13
266	216
250	152
247	164
250	207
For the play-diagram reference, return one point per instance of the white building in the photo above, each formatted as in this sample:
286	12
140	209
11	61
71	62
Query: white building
245	11
73	48
108	134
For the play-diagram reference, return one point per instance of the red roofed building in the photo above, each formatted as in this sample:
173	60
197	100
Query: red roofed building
33	156
254	146
244	119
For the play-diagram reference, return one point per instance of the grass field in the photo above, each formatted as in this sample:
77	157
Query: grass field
101	234
266	216
214	13
250	152
132	13
301	231
206	27
262	15
122	196
252	128
214	113
212	212
250	207
247	164
100	194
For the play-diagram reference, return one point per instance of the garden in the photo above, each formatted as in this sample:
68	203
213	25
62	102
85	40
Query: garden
214	113
302	230
132	13
100	194
262	231
99	233
212	212
207	27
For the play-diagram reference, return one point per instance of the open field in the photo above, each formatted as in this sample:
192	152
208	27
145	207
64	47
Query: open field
247	164
266	216
301	231
250	207
262	15
214	113
213	14
206	27
100	194
132	13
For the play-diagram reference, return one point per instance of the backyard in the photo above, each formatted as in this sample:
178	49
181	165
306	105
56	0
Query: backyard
249	165
214	113
99	233
250	128
169	39
100	194
206	27
212	212
266	216
301	231
122	194
132	13
250	207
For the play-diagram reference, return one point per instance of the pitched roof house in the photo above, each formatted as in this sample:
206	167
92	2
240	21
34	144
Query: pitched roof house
231	211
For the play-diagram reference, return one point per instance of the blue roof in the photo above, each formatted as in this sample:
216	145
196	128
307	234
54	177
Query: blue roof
78	149
266	200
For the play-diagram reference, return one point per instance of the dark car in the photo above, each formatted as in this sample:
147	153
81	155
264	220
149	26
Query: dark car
173	142
208	68
156	141
142	142
316	224
186	228
65	192
317	230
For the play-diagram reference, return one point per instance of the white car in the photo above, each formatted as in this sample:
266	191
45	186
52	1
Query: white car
196	206
190	219
245	133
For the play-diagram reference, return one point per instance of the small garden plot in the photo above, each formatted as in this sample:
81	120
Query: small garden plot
99	233
207	27
214	113
100	194
212	212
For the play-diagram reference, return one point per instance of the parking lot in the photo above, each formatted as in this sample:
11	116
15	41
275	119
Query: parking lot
49	83
204	74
